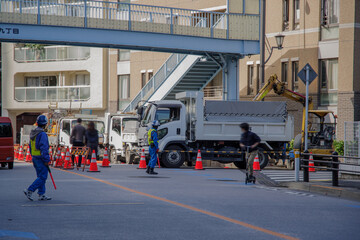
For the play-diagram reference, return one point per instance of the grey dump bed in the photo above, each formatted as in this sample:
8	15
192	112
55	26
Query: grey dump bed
245	111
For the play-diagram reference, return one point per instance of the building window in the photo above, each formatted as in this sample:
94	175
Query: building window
296	14
82	79
286	14
330	12
284	72
329	81
123	55
42	81
143	79
250	79
295	78
150	75
124	86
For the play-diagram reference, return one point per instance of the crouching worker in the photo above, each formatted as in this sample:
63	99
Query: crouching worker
153	147
39	149
250	142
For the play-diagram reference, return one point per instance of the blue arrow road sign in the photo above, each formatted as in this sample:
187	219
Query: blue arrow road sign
312	74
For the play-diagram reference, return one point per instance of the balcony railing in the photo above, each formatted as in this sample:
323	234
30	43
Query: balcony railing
51	53
52	94
213	93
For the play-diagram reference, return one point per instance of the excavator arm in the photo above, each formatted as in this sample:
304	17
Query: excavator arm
279	88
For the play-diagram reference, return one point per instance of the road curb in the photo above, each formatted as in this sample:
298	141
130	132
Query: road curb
339	192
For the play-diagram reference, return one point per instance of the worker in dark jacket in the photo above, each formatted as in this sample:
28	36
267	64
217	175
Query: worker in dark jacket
250	142
92	138
77	138
39	149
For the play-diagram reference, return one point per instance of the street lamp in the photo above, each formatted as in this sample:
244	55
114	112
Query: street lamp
279	41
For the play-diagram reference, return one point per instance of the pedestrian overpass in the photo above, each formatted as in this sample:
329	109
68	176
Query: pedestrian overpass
217	39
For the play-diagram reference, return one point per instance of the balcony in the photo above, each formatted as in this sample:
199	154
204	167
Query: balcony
52	94
51	54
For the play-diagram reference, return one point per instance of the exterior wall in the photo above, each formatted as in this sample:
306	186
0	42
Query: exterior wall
305	46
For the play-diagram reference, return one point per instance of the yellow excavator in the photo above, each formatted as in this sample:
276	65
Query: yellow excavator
320	132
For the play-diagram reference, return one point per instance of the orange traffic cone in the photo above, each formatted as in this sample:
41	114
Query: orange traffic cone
311	163
58	161
16	153
21	155
142	163
256	164
199	165
28	155
93	163
105	161
51	155
67	162
77	159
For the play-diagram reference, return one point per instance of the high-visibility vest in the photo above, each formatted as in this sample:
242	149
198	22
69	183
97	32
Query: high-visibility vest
150	140
34	151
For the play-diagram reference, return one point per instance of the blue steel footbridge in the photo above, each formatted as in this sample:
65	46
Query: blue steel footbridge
221	37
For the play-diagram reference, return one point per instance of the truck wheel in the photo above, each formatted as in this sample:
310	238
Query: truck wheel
3	165
240	165
173	159
11	165
113	157
263	159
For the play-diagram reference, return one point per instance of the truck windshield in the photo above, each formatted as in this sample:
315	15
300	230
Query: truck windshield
164	115
147	115
5	130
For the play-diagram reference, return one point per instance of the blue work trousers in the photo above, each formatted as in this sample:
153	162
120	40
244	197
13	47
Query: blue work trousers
41	173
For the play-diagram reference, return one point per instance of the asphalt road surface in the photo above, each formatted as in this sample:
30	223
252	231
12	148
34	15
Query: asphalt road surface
123	202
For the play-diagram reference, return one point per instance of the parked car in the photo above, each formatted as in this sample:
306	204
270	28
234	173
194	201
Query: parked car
6	143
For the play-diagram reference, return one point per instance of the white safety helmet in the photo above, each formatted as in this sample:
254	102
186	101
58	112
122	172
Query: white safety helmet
156	123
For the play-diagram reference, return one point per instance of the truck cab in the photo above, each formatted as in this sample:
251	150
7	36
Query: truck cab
121	136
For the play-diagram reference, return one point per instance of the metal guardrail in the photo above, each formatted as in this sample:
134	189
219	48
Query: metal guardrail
138	17
154	83
302	160
46	94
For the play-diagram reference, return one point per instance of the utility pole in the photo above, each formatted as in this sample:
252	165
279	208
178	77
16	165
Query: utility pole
262	42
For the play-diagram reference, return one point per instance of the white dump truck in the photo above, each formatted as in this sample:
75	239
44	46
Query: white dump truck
121	137
190	123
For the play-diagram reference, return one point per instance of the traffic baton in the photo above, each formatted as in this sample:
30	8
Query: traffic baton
52	179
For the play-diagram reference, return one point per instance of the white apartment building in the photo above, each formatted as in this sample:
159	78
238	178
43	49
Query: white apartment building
32	79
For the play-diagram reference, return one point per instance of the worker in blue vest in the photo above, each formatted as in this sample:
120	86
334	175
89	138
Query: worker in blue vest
153	147
39	149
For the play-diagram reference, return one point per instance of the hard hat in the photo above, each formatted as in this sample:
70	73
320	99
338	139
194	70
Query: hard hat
156	123
41	120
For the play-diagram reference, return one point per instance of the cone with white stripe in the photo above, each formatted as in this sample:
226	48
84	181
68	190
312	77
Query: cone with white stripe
311	163
142	163
68	164
105	161
256	164
93	163
199	165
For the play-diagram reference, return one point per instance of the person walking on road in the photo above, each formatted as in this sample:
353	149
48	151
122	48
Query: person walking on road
39	150
92	138
77	138
153	147
250	141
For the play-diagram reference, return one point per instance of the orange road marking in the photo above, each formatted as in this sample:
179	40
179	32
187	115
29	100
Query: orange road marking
244	224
